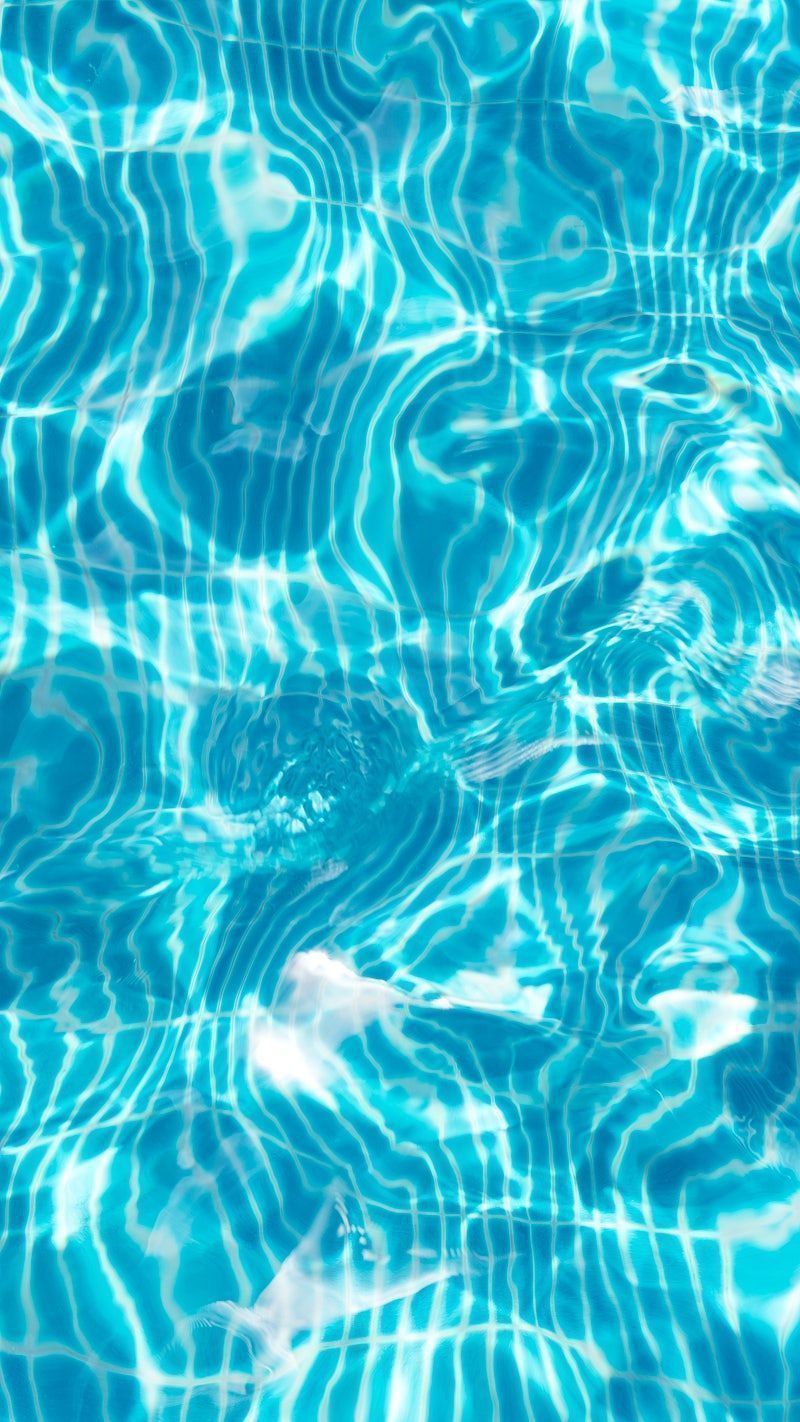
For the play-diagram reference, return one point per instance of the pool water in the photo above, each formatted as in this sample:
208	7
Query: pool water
399	711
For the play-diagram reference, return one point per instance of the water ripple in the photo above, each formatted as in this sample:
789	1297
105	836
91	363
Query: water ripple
399	693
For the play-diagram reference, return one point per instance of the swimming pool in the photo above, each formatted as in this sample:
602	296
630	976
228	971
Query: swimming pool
399	710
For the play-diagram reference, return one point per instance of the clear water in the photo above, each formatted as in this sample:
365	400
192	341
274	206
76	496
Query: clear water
399	713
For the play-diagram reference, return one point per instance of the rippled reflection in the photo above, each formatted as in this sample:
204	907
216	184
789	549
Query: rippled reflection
399	711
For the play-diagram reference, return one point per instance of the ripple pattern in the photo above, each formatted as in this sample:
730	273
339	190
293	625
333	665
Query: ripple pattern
399	710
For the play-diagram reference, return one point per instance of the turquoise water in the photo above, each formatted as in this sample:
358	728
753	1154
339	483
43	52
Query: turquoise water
399	714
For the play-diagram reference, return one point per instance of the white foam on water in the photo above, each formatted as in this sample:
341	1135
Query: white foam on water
497	991
310	1291
698	1023
72	1196
322	1002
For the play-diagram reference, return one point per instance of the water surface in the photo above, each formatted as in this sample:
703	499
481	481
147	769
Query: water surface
399	711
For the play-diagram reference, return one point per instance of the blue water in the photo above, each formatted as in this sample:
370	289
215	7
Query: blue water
399	710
